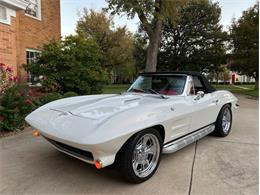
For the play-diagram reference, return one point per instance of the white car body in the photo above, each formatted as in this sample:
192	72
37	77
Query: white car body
101	124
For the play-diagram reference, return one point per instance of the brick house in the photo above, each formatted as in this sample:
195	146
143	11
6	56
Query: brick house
25	25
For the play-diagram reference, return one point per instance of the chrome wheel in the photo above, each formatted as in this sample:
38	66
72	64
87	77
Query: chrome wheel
146	155
226	120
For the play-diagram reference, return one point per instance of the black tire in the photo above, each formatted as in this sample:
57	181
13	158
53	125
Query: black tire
125	156
219	130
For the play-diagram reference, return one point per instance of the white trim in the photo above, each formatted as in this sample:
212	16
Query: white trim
15	4
33	50
36	51
39	17
9	13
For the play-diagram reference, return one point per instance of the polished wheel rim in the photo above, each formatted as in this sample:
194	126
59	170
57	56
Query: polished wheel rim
226	120
146	155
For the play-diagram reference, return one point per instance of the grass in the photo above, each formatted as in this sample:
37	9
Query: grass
117	88
251	91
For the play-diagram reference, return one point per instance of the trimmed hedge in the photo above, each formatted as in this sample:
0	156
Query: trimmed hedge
69	94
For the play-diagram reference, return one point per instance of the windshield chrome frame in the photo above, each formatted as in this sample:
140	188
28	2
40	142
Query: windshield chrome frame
186	91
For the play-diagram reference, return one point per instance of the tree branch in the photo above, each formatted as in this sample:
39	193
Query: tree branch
144	21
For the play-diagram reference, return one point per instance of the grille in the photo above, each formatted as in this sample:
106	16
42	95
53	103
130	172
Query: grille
74	151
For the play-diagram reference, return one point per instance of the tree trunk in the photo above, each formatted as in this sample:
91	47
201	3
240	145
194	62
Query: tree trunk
153	48
257	81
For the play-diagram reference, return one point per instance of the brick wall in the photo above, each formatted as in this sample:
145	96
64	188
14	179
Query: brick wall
26	32
33	33
8	44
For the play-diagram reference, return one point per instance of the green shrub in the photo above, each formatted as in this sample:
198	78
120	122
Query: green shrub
69	94
72	64
49	98
15	104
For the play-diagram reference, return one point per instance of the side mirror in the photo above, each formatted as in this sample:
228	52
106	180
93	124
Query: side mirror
199	95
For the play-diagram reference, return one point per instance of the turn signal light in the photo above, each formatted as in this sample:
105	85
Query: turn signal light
36	133
98	164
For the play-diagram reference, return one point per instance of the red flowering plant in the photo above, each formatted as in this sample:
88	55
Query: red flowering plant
15	103
7	79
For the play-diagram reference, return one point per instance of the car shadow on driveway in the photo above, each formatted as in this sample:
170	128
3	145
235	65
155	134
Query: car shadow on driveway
31	165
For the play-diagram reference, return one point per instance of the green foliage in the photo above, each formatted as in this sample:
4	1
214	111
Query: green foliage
69	94
72	64
116	45
15	104
219	73
140	47
147	10
245	43
49	98
151	13
194	40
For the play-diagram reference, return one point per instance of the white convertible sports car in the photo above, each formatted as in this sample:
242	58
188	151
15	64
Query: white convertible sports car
161	112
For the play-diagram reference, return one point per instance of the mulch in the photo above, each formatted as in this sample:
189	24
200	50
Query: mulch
8	133
11	133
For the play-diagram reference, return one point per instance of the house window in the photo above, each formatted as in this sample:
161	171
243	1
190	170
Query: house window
31	57
3	14
33	8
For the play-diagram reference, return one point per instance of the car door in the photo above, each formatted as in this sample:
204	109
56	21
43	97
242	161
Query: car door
203	107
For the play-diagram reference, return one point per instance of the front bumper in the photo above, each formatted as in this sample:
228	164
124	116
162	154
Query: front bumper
89	153
72	151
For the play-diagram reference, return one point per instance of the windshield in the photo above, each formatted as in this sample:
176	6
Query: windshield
159	84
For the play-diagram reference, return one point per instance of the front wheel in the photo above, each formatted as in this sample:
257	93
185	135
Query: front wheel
140	156
224	121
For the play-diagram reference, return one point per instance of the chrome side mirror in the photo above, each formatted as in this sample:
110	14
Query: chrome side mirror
199	95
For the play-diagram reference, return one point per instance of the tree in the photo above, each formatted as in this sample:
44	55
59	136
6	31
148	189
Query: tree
72	64
195	40
140	48
116	44
151	14
219	73
244	35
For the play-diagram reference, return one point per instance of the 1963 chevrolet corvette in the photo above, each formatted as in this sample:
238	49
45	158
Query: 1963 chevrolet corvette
161	112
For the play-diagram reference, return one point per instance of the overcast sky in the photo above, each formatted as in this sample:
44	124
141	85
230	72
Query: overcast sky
71	8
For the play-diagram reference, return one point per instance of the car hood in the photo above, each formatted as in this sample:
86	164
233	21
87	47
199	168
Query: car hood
62	119
105	107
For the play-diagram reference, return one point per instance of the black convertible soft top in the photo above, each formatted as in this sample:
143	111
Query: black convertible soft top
201	77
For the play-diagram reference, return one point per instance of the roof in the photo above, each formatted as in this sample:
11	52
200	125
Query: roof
201	77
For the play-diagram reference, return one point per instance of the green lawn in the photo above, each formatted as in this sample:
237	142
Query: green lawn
117	88
238	90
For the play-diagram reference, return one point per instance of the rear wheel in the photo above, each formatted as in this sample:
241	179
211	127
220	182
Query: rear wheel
140	156
224	122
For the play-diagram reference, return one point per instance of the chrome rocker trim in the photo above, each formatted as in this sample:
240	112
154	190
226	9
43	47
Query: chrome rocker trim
188	139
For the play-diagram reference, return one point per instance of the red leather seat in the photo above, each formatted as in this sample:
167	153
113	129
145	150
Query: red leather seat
168	92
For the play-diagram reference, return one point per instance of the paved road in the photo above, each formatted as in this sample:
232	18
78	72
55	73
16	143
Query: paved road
30	165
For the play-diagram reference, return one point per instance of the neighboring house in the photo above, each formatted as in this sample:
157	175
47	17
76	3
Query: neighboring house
235	77
25	25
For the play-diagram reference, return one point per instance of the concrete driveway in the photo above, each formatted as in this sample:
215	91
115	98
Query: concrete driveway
228	165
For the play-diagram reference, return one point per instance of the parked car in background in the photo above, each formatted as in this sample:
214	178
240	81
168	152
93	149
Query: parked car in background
161	112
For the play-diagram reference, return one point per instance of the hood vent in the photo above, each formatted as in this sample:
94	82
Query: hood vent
132	100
